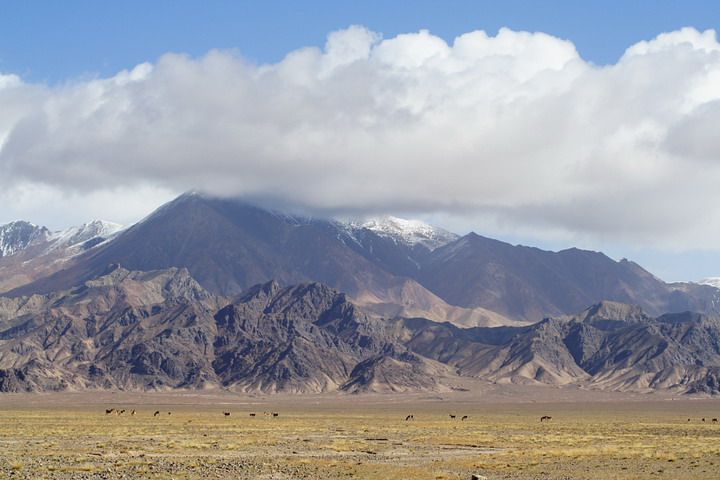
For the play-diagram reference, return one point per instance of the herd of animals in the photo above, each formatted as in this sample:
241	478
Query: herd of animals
119	412
452	417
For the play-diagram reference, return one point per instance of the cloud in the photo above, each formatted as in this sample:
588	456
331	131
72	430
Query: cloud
57	209
514	129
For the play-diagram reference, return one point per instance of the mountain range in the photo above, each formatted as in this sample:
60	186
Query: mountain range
397	267
162	330
220	293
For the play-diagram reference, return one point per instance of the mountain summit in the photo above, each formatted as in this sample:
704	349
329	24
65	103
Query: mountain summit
29	252
17	236
392	266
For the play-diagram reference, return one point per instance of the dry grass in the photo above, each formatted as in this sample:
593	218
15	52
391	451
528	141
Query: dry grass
353	440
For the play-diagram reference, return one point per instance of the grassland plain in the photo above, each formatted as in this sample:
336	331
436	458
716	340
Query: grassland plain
590	436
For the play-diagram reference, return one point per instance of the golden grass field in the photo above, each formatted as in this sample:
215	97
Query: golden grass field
69	436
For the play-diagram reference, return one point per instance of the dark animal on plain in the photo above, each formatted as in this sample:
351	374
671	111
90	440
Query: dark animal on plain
227	414
169	413
157	412
132	413
464	418
688	419
703	419
108	411
409	417
252	414
275	414
545	417
714	420
452	417
121	412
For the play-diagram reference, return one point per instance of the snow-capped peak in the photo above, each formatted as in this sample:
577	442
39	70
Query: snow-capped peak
96	229
17	236
712	281
409	232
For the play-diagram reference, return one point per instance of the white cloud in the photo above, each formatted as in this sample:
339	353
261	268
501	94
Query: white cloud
58	209
516	130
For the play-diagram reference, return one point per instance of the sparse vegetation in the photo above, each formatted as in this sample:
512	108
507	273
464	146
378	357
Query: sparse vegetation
345	438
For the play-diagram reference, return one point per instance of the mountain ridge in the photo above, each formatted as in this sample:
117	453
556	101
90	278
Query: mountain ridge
160	330
229	245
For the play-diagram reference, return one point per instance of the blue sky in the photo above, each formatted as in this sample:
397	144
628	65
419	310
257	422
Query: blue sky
51	41
639	187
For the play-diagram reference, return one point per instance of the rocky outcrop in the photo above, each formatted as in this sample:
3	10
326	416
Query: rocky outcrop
162	330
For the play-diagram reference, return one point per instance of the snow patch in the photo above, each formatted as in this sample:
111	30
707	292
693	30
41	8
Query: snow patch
712	281
74	236
408	232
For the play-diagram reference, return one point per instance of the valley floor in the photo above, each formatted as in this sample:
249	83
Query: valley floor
592	435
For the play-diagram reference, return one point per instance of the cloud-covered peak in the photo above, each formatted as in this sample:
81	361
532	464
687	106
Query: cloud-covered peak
513	131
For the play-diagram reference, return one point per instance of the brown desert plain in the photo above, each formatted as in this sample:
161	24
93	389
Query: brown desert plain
592	435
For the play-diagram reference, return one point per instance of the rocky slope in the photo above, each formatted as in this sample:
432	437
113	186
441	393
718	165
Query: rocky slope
120	330
162	330
608	346
528	283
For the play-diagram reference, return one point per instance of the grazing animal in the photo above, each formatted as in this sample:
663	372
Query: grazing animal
703	419
452	417
275	414
714	420
169	413
464	418
252	414
688	419
121	412
545	417
227	414
157	412
108	411
409	417
132	413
